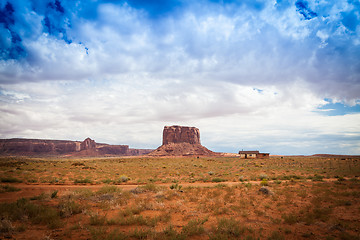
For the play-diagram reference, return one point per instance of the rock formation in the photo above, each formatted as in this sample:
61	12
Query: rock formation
178	134
39	147
181	141
87	144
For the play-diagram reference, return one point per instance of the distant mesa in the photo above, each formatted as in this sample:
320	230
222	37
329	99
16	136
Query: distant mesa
29	147
181	141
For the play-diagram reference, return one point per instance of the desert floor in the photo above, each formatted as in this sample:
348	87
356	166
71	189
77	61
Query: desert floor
180	198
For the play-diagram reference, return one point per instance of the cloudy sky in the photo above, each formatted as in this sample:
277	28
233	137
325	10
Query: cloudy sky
271	75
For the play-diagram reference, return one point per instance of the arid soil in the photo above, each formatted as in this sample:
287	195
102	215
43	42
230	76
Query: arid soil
180	198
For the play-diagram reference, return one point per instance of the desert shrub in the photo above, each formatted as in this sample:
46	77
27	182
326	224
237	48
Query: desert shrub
227	229
341	179
317	213
41	196
82	181
211	173
108	189
10	180
242	179
83	193
290	218
290	177
263	176
151	187
170	233
317	177
131	211
70	207
248	185
176	187
54	194
114	235
276	236
107	181
6	226
194	227
8	188
218	180
123	179
77	164
264	182
141	234
37	214
97	220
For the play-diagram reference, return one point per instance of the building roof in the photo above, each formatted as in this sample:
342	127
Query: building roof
248	152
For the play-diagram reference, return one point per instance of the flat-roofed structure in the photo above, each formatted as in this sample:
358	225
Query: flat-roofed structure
253	154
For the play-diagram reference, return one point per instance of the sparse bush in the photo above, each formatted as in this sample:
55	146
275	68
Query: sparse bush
97	220
54	194
10	180
69	208
276	236
7	188
263	176
82	181
228	229
218	180
141	234
41	196
176	187
6	226
107	181
341	179
108	189
317	177
211	173
264	182
194	227
37	214
124	178
290	218
150	187
242	179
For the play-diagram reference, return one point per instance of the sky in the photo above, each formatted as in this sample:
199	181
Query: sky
271	75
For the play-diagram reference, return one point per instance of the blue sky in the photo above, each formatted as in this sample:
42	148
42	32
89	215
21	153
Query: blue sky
276	76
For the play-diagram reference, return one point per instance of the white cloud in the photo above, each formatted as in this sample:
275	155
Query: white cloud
250	78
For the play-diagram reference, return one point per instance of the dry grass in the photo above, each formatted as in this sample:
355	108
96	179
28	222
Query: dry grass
298	202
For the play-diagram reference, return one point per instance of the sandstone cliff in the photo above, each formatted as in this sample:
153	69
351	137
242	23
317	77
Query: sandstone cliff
181	141
35	147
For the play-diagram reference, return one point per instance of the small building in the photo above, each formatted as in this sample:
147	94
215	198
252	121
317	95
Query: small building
253	154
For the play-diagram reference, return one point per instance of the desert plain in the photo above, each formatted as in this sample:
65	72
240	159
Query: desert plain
206	197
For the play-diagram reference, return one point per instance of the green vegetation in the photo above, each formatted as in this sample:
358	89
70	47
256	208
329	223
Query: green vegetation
37	214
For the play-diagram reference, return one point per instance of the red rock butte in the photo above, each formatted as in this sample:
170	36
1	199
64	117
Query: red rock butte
178	134
181	141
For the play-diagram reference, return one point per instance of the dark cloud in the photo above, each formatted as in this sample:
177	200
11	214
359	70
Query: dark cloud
13	49
303	8
56	22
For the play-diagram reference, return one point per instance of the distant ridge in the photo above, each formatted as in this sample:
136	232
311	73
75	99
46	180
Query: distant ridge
88	147
333	155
